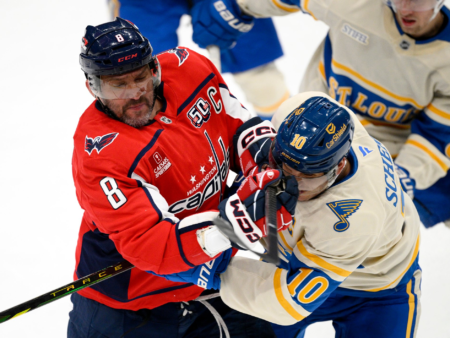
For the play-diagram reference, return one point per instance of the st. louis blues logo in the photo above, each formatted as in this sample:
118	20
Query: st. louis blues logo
99	142
181	53
343	210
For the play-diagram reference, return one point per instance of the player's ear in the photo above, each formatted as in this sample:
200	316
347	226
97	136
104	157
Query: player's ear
89	88
341	165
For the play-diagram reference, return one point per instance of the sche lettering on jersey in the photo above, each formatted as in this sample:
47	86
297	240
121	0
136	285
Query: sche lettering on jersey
211	183
389	174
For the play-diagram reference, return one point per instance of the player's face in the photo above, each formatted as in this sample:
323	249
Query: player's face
130	96
417	24
309	185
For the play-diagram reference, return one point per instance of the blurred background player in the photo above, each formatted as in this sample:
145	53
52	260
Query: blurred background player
251	60
389	62
144	200
352	254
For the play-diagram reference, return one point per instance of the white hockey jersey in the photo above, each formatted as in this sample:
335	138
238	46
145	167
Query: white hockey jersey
398	87
360	237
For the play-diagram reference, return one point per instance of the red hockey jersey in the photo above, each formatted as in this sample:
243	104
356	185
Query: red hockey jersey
137	187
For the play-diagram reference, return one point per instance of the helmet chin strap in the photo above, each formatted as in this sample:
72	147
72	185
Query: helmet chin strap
334	173
437	9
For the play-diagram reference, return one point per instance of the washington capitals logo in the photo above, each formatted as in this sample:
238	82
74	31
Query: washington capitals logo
181	53
343	210
99	142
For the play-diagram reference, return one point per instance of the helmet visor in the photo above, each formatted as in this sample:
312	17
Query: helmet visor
413	5
131	85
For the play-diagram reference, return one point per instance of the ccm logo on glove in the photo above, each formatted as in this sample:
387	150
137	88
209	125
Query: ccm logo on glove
243	221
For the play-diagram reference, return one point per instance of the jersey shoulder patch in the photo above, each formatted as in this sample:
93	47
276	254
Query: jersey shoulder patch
99	142
343	210
181	53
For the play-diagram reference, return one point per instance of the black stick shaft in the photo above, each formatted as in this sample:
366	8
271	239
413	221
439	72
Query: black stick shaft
271	223
65	290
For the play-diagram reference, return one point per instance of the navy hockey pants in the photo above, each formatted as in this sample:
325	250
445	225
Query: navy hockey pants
394	315
90	319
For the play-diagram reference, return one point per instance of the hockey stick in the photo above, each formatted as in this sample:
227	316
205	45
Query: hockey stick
65	290
271	256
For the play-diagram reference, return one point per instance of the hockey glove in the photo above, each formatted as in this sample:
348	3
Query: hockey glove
245	210
407	182
252	141
218	22
206	275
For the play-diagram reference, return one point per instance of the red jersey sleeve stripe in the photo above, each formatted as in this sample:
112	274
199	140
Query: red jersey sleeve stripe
144	151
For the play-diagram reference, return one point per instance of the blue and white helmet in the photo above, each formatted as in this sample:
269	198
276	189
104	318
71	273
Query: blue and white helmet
315	135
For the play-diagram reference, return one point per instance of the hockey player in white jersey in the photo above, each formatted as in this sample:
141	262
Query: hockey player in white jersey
352	254
389	61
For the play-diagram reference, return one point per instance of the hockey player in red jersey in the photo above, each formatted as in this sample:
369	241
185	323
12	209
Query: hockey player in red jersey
151	159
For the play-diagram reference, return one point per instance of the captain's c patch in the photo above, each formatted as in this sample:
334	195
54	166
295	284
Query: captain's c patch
343	210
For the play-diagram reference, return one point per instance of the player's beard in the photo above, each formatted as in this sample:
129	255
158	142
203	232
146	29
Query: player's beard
134	119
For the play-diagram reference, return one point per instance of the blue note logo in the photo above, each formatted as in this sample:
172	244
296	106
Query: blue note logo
343	210
98	143
365	151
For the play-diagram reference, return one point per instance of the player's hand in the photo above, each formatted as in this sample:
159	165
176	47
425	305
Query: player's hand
245	210
206	275
252	141
218	22
407	182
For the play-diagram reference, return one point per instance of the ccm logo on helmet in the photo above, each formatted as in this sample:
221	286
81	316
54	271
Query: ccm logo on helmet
128	57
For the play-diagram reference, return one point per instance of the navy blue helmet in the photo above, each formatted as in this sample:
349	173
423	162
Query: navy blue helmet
314	137
115	48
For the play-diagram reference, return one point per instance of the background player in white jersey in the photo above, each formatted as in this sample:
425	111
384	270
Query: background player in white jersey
389	61
352	254
251	60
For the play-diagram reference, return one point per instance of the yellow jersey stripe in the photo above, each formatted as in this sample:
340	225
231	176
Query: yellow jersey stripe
429	152
364	122
285	7
283	302
321	262
284	241
305	7
439	112
274	107
416	251
412	306
374	85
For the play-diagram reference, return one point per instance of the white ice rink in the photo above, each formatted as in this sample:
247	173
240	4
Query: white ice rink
42	97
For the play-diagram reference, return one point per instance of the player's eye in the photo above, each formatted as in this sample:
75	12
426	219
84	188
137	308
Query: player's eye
118	84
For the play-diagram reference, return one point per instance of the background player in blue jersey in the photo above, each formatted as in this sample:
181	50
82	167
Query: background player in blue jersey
250	60
390	62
